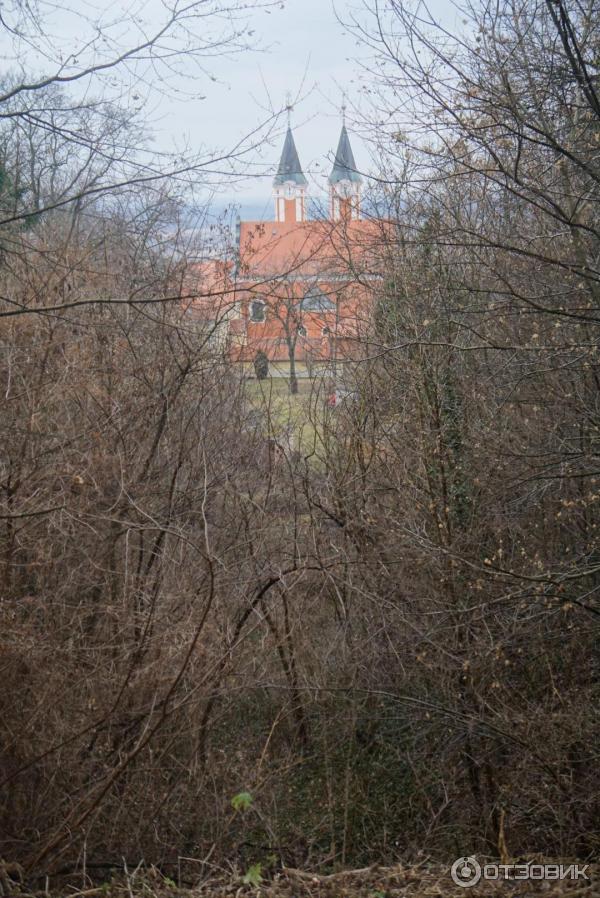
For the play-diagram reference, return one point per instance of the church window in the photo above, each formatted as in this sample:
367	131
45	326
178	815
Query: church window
257	310
316	301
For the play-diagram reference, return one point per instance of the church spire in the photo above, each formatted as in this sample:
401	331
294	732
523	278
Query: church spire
344	166
345	180
289	164
289	184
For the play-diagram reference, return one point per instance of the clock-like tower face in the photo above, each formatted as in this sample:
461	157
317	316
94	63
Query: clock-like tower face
344	189
289	201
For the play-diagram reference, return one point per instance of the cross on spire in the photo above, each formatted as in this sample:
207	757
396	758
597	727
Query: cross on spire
344	180
289	183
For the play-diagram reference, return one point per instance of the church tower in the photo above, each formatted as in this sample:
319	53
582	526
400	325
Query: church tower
289	184
344	181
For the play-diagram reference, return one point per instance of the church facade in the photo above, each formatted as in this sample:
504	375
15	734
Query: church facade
300	287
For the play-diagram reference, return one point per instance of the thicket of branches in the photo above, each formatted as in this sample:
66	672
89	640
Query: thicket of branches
383	646
481	396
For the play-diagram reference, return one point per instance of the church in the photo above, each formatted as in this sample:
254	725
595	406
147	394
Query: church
301	285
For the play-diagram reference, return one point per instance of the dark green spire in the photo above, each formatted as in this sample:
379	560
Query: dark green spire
289	164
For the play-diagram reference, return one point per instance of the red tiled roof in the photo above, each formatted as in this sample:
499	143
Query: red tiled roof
307	248
279	263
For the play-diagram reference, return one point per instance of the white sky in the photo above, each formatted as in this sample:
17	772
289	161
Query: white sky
300	48
307	52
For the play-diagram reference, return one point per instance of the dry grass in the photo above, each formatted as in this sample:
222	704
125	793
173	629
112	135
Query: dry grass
289	417
421	881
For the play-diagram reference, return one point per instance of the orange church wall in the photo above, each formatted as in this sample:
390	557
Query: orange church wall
278	263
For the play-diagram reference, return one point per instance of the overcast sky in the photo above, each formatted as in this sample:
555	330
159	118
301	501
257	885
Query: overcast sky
307	52
300	47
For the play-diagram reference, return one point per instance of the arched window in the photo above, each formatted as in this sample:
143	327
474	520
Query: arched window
325	332
316	301
301	330
257	310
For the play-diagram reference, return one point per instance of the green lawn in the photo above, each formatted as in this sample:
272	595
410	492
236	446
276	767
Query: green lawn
294	419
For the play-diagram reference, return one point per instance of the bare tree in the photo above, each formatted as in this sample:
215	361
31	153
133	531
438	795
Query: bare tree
480	397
